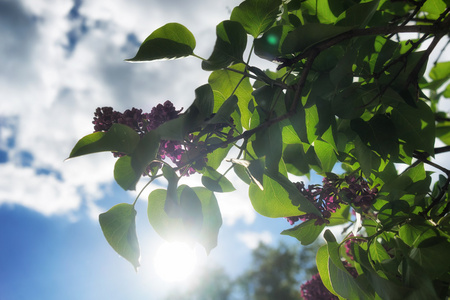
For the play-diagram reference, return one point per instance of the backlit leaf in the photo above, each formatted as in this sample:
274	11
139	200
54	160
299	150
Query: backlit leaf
214	181
172	40
229	48
224	82
128	169
119	228
256	15
307	232
119	138
280	198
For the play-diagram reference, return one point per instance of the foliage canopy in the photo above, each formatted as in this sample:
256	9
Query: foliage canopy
348	87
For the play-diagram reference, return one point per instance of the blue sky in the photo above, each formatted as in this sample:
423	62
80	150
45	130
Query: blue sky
61	60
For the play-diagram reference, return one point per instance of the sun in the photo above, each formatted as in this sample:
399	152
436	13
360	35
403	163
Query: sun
175	262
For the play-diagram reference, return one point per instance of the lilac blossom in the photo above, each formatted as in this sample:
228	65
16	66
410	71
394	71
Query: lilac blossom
324	198
327	197
359	193
314	289
175	151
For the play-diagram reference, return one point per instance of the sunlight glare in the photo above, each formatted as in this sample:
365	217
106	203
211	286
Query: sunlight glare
175	262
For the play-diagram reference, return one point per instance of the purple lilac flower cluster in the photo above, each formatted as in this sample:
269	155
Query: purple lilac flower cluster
142	123
359	193
314	289
327	197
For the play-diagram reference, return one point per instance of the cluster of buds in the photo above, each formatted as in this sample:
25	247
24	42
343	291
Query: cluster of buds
324	197
359	193
142	123
328	197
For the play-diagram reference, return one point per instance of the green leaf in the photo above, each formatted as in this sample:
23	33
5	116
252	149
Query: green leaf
225	110
298	121
342	282
256	15
185	227
169	228
191	211
379	134
440	71
367	159
229	48
119	138
172	204
431	257
321	9
358	15
446	92
172	40
414	181
269	144
224	82
216	182
128	169
342	74
280	198
204	102
416	232
386	289
295	158
173	130
124	174
377	252
434	7
415	126
416	277
349	103
322	261
325	153
270	99
310	34
119	228
307	232
268	46
242	173
212	219
341	216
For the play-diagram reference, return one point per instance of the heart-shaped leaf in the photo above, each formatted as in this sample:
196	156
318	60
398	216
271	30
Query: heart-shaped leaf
229	48
119	228
119	138
172	40
256	15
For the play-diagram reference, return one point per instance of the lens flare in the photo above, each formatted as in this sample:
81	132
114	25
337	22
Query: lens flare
175	262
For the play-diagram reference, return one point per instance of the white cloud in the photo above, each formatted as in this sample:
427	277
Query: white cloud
59	69
252	239
236	205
